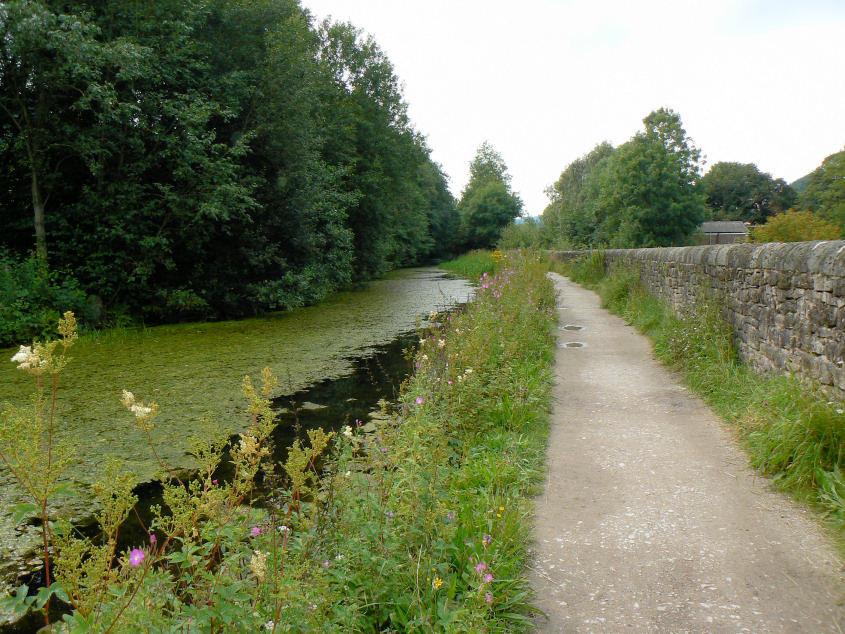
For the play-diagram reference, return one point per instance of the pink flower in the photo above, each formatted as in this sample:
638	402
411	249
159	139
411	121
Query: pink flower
488	597
486	539
255	532
488	578
214	481
450	383
481	567
152	539
419	400
326	563
136	556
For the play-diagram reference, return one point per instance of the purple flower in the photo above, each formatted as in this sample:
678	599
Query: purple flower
450	515
326	563
419	400
486	539
152	539
384	449
481	567
136	556
488	578
488	598
255	532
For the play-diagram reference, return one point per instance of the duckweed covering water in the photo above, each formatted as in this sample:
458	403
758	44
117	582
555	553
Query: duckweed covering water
195	370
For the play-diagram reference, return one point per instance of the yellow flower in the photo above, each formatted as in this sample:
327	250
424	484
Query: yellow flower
437	582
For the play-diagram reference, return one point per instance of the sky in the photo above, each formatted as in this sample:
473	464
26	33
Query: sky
544	81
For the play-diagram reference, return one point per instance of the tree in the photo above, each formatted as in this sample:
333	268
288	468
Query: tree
50	65
796	226
570	216
487	203
825	192
646	194
740	191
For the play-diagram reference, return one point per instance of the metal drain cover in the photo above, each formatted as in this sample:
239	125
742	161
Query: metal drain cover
571	327
571	344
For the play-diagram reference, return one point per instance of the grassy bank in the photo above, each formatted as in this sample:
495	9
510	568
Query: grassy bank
792	430
422	524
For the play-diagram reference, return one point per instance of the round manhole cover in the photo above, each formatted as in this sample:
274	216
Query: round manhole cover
571	344
571	327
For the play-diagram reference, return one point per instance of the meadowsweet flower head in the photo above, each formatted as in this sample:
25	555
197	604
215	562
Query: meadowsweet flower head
136	556
258	565
347	431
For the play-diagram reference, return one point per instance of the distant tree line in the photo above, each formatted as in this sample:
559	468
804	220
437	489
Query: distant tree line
177	159
650	192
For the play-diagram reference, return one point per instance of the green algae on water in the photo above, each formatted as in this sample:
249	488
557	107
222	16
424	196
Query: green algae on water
195	370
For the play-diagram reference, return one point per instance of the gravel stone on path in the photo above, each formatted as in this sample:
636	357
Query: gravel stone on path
651	520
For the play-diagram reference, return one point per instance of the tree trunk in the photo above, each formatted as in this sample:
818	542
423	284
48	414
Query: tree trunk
40	230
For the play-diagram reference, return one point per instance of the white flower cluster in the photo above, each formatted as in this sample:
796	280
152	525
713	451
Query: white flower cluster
27	359
143	413
463	377
347	431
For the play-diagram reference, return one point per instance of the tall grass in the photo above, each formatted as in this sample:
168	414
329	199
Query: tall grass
472	265
792	429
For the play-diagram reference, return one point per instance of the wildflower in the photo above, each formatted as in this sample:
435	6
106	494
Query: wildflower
422	342
501	508
488	598
347	431
136	556
283	529
449	382
481	567
384	449
152	539
441	343
450	515
214	481
437	582
389	514
255	532
419	400
433	315
486	539
269	625
488	578
258	565
468	371
326	563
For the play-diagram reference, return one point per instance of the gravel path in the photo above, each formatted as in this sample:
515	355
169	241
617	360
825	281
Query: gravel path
651	521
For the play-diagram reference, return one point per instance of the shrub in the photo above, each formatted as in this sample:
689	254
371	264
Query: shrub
796	226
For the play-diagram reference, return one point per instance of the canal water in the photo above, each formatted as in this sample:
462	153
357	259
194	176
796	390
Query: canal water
334	362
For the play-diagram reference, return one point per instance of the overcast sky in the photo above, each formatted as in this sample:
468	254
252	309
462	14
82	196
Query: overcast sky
544	81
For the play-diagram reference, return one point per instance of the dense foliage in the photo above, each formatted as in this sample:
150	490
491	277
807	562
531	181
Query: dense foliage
740	191
194	159
641	193
824	193
487	204
796	226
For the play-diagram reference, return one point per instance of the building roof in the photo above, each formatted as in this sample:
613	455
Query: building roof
723	226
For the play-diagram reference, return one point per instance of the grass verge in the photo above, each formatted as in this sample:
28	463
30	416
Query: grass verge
473	264
432	514
791	428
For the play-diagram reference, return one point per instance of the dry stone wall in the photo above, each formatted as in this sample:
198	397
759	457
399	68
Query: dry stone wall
785	301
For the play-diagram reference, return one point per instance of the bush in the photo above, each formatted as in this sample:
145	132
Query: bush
32	299
796	226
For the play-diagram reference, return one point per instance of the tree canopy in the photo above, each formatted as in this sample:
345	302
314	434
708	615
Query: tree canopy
825	190
740	191
487	204
642	193
208	158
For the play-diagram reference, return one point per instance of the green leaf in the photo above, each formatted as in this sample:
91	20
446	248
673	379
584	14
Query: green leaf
22	511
